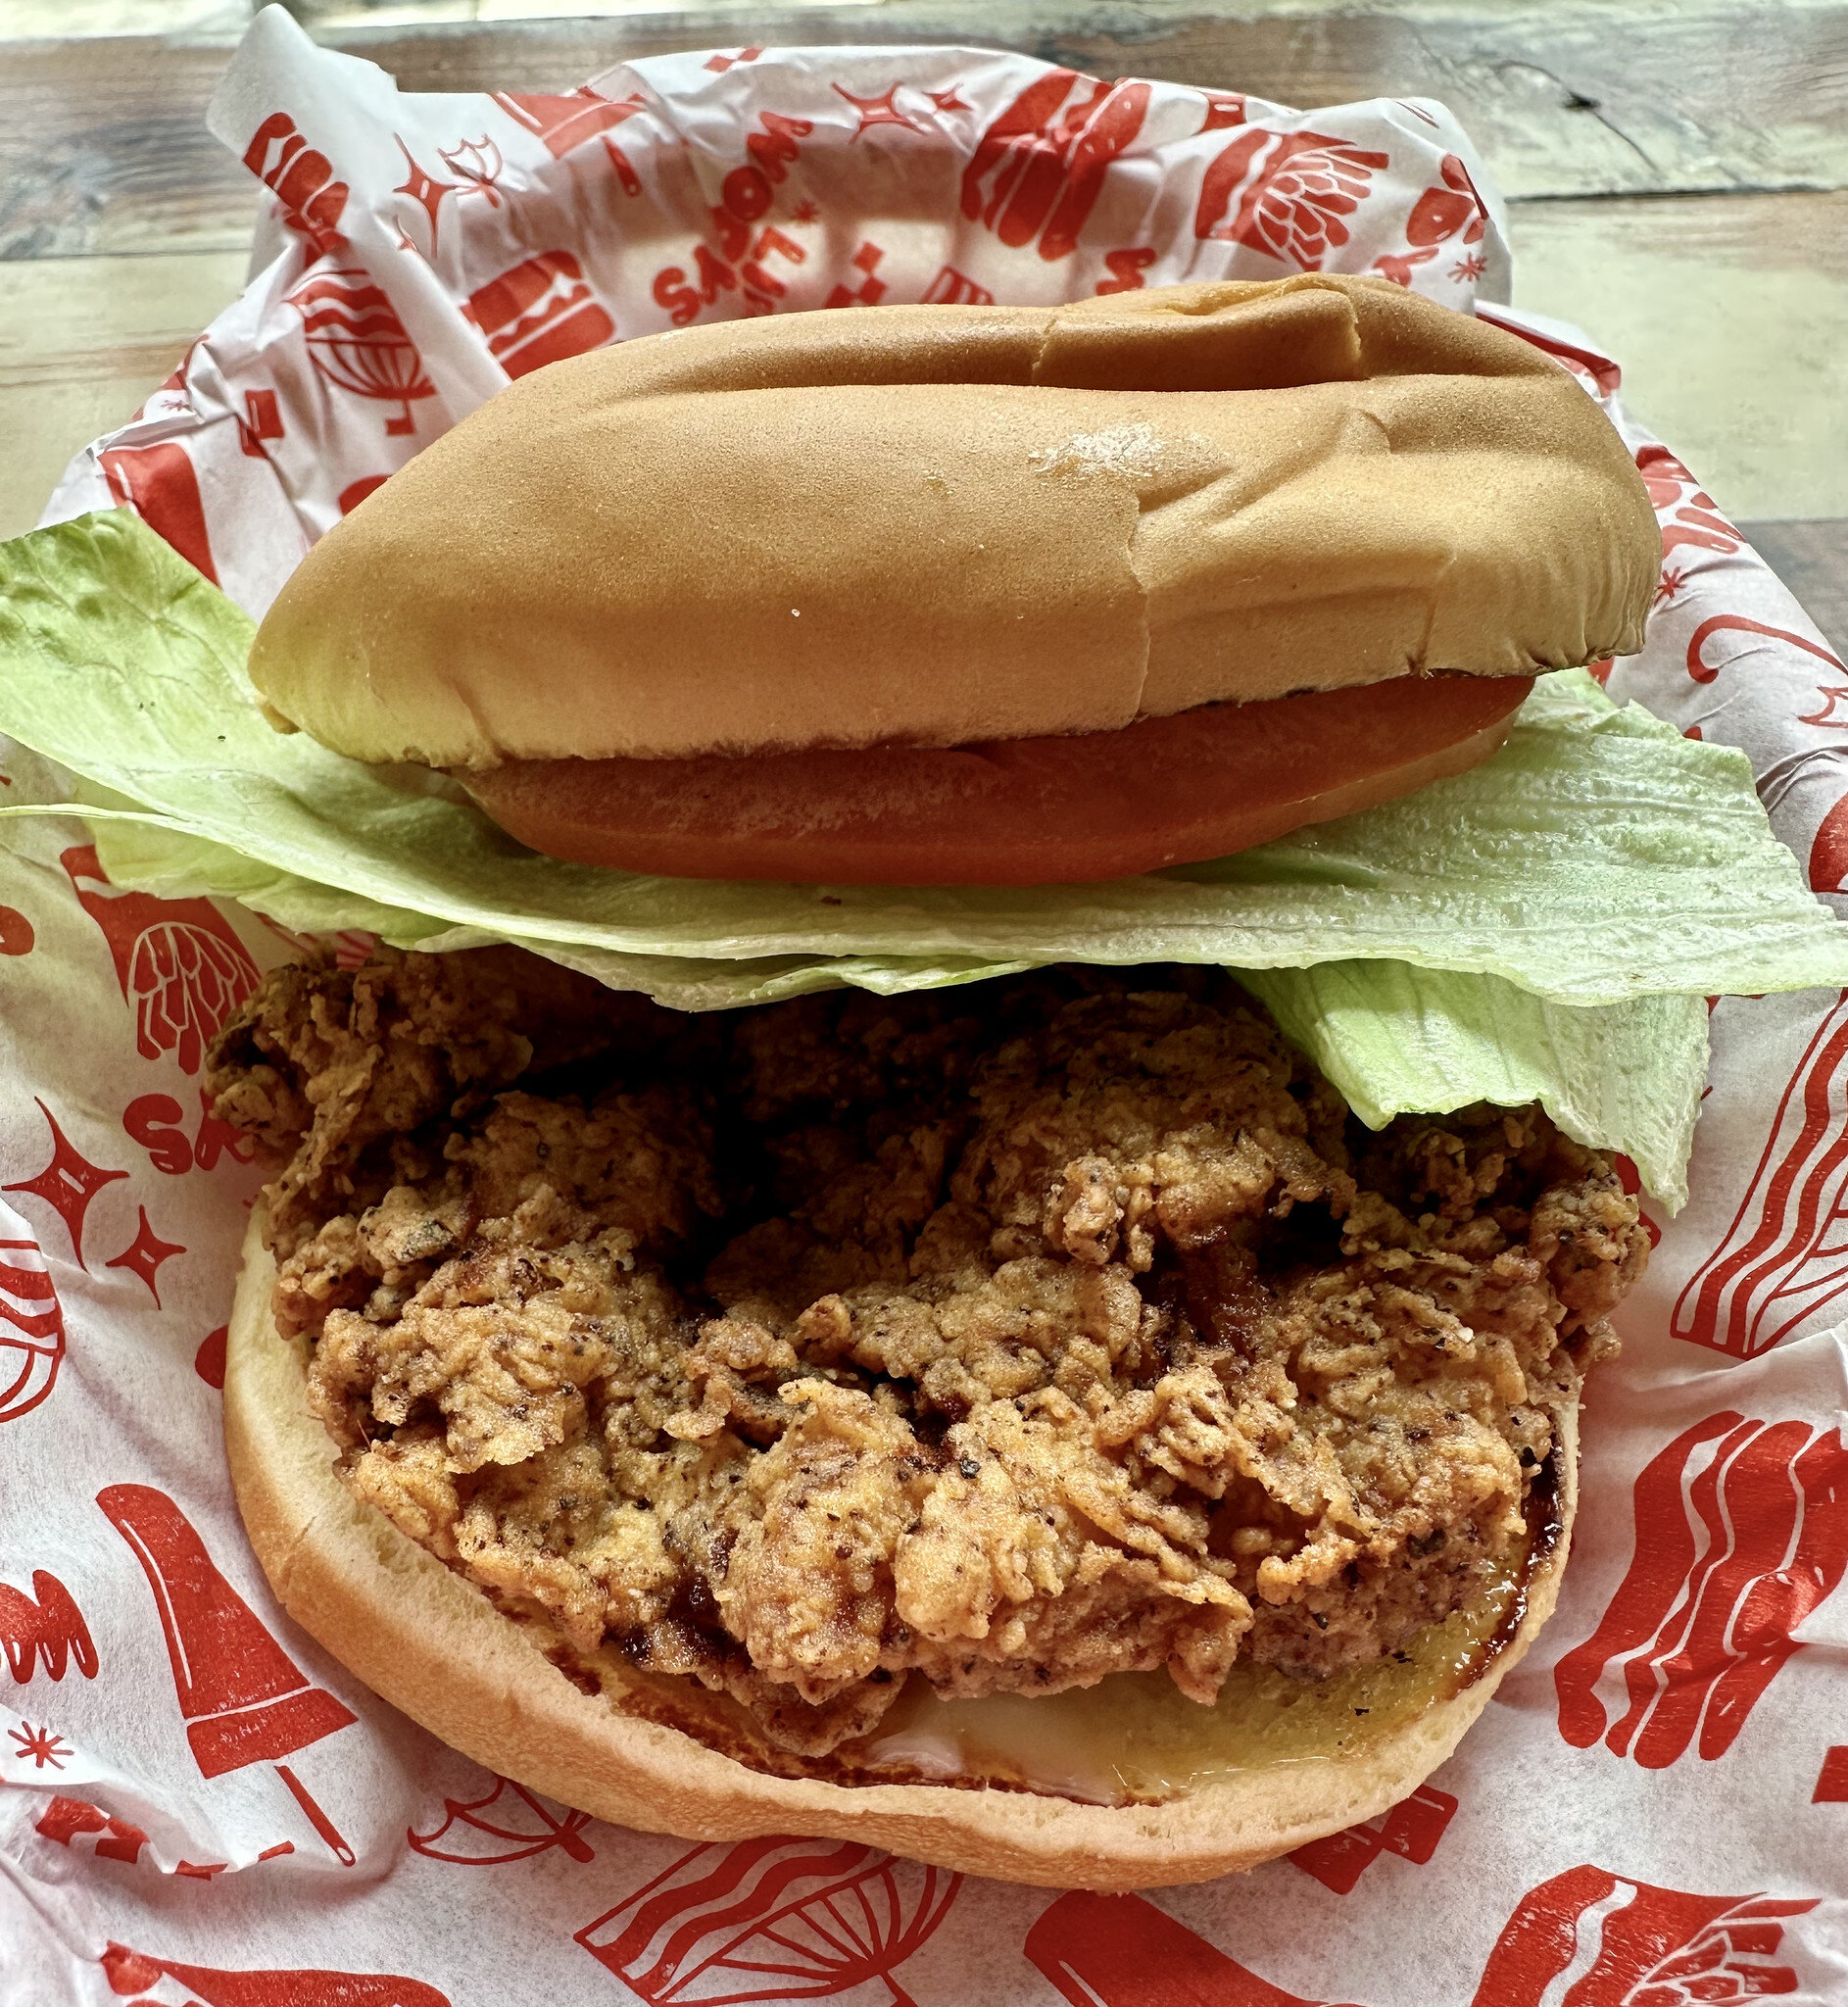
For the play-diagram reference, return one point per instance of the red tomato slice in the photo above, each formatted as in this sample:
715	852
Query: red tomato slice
1013	811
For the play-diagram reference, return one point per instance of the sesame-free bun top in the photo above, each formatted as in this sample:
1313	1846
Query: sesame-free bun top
941	524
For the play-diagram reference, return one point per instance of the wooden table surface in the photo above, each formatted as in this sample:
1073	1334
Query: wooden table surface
1678	173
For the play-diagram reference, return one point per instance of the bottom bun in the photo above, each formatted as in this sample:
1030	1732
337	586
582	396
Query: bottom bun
1177	790
435	1647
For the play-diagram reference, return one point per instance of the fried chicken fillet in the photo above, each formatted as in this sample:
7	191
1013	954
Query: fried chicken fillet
1004	1338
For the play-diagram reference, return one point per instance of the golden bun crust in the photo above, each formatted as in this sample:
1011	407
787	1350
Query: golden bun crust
934	525
422	1639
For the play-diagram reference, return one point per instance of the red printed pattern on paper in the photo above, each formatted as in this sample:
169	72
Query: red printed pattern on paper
31	1319
65	1818
1122	1951
771	1919
1785	1257
177	960
1411	1830
564	124
1295	205
1589	1939
1039	169
357	342
1437	217
242	1697
44	1630
953	288
303	180
508	1823
539	312
1741	1532
134	1971
162	486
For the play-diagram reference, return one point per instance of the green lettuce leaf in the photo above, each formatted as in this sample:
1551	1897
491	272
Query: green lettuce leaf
1516	932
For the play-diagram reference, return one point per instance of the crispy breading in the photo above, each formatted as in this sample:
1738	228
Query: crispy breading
1010	1339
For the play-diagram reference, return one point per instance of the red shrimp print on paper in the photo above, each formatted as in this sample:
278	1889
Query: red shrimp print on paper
31	1318
179	961
1594	1939
161	484
156	1981
44	1632
303	181
358	344
1299	188
1741	1533
1411	1830
539	312
1783	1259
1122	1951
1039	169
508	1823
771	1919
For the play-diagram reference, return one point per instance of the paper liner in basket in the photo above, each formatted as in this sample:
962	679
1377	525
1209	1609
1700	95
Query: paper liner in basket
199	1806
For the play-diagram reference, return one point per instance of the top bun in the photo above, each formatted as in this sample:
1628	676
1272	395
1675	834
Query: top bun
941	524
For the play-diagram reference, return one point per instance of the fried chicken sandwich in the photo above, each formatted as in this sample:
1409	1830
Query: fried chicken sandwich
1033	1426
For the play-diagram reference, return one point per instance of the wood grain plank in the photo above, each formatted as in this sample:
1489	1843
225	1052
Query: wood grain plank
83	341
104	151
1728	314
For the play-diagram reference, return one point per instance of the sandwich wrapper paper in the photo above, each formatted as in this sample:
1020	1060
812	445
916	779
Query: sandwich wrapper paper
197	1804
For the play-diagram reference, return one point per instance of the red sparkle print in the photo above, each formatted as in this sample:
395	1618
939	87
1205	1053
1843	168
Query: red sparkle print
805	212
67	1184
1674	581
144	1254
41	1746
1470	265
947	100
423	189
879	110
